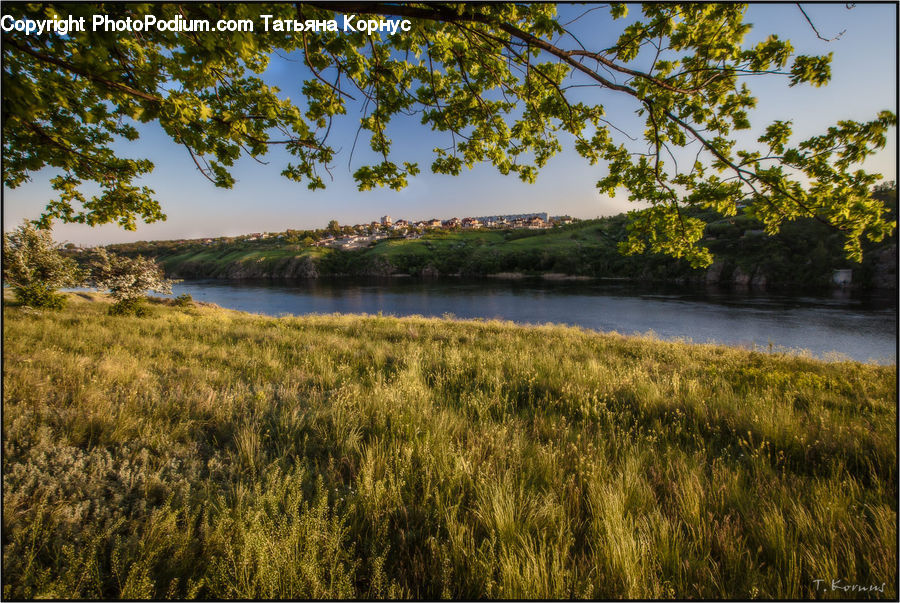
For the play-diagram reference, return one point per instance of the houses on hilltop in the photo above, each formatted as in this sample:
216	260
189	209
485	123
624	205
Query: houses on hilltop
362	235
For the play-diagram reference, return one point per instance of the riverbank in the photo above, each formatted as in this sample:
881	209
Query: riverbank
877	274
832	325
805	255
206	453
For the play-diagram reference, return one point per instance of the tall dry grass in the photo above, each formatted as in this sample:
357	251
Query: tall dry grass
199	452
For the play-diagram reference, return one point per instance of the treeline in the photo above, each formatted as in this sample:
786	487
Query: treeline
163	249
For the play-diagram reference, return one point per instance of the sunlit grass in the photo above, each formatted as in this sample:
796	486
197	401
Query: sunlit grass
206	453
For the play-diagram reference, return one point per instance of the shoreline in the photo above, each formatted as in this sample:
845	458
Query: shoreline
771	287
795	350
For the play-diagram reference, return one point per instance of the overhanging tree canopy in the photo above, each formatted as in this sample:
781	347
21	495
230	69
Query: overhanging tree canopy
501	80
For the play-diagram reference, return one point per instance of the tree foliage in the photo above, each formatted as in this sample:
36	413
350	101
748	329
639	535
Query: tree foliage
126	279
34	268
334	228
500	81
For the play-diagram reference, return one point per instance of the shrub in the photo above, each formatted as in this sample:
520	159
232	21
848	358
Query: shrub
132	306
40	296
184	300
127	279
34	268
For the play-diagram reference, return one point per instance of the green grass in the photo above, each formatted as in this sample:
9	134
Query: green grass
445	249
225	256
200	452
216	262
438	241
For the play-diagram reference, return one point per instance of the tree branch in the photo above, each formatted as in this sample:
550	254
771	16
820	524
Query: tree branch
79	71
818	35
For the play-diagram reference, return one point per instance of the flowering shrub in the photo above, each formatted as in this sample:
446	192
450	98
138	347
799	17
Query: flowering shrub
127	279
34	268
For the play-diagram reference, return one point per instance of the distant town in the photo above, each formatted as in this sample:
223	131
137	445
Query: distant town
362	235
359	236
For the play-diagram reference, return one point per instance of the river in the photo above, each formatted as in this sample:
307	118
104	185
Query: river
839	325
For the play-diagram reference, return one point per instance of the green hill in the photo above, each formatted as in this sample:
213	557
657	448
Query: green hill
803	254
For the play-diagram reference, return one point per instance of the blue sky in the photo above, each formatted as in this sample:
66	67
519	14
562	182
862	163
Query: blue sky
864	82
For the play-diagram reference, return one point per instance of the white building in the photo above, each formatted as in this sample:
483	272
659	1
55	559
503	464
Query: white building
842	277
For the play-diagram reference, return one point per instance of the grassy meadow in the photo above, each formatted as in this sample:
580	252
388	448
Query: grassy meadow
204	453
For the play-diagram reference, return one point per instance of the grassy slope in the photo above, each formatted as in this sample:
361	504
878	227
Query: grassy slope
430	242
427	248
210	453
221	258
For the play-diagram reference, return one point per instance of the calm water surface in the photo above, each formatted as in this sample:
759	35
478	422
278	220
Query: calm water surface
828	326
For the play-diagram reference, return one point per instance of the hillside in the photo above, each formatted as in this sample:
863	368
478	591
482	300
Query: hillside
803	254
